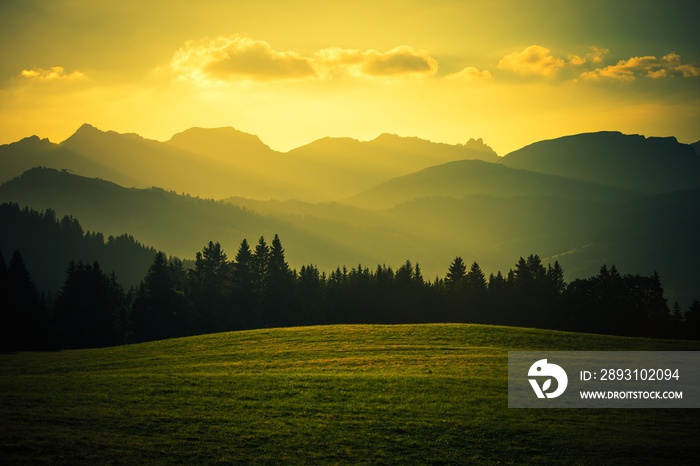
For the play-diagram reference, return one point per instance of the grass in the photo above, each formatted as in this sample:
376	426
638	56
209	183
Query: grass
361	394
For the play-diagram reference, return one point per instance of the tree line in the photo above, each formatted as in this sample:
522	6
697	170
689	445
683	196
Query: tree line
49	242
257	288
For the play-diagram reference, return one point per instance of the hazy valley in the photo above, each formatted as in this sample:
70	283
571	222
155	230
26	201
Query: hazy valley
584	200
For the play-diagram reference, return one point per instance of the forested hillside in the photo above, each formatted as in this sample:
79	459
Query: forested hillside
258	289
640	234
49	243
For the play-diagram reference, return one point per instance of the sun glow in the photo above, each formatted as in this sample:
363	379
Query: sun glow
294	74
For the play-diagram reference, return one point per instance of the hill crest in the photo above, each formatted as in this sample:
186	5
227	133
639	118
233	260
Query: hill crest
648	165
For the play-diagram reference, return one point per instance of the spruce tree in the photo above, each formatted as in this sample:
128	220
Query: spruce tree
243	288
692	321
311	285
279	287
210	288
476	295
530	292
21	307
456	274
160	311
499	299
259	269
455	291
90	307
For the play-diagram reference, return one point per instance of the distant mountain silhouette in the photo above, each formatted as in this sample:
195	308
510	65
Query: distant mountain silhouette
151	163
633	162
469	177
179	225
224	144
638	235
390	155
582	231
223	162
17	157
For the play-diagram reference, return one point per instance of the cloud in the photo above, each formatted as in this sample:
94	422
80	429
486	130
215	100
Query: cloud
399	61
596	56
647	66
230	58
53	73
534	60
227	58
688	71
539	61
471	74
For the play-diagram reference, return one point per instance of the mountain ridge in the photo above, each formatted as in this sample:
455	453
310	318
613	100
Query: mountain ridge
469	177
638	234
225	162
176	223
645	164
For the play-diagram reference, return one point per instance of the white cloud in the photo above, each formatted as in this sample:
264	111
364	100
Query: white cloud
399	61
470	73
596	55
53	73
647	66
230	58
227	58
533	60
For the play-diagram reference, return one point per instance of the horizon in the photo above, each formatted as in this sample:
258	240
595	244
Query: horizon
295	73
370	139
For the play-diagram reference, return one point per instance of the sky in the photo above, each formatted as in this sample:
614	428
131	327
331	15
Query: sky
510	72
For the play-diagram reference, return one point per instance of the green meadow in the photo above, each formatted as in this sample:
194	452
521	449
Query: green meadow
347	394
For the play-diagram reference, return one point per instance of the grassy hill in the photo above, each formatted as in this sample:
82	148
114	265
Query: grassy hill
410	394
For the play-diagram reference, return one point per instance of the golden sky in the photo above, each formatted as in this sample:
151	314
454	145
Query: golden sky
510	72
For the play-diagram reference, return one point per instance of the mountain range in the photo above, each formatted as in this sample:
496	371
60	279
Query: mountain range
645	165
223	162
584	200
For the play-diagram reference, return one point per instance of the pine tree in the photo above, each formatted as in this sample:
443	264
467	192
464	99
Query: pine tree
210	288
280	287
178	274
242	267
476	294
260	264
311	285
21	307
4	285
555	276
418	276
160	311
499	298
90	307
7	311
692	321
456	274
677	321
530	291
553	315
243	288
455	291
